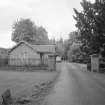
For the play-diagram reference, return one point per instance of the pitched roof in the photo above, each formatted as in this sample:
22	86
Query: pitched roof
38	48
44	48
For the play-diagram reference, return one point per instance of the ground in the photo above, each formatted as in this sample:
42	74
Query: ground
76	86
20	83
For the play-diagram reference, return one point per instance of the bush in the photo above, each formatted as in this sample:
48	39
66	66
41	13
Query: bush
89	66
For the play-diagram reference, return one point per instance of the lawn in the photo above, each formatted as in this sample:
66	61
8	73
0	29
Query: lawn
20	83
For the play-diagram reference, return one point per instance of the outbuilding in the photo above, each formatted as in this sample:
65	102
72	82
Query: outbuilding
32	55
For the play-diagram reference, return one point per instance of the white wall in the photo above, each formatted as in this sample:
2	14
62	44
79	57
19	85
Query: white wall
24	55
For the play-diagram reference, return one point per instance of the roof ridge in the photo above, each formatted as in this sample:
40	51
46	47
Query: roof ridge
48	48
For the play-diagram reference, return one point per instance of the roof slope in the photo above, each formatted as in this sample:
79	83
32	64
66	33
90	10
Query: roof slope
44	48
38	48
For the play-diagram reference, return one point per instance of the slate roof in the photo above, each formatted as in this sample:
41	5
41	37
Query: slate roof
44	48
38	48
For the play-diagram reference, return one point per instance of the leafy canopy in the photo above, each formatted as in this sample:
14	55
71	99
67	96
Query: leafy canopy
91	25
25	29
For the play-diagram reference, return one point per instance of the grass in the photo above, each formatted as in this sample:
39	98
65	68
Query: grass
23	68
20	83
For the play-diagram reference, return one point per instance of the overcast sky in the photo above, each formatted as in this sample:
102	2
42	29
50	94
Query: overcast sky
54	15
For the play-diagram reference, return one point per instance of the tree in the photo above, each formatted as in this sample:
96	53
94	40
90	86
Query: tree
74	53
91	25
42	35
22	30
52	41
25	29
68	43
60	47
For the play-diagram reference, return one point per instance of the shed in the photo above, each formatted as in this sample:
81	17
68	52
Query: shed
26	54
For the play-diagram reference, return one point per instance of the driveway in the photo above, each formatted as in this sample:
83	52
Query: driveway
77	87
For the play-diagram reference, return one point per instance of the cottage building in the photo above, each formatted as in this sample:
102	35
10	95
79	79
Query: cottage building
26	54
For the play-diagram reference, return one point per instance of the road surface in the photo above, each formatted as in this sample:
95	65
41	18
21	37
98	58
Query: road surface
77	87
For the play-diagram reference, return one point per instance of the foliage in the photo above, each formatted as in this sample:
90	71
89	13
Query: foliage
74	53
25	29
52	41
42	35
22	30
91	25
68	44
60	47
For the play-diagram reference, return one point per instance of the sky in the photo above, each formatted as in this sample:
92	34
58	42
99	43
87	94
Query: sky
56	16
